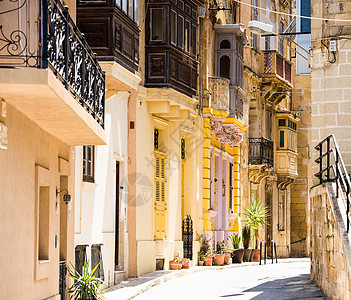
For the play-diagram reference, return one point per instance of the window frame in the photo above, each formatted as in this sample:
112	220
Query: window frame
151	25
89	170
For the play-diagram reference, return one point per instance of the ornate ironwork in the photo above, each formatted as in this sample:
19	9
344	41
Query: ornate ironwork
62	278
261	152
58	45
187	232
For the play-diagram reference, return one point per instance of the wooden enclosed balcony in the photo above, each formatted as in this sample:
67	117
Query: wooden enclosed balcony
49	73
261	152
275	66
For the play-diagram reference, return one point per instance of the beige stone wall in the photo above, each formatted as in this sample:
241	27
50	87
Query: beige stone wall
330	257
30	146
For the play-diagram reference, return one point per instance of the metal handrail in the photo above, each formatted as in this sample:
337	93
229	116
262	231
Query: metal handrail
337	166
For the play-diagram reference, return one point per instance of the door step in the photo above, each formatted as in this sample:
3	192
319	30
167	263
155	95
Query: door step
119	276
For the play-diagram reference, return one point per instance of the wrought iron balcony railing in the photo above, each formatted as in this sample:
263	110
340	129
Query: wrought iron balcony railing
261	152
41	34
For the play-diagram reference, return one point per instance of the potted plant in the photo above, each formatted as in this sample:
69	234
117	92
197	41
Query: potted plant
237	254
219	256
246	234
86	285
227	255
185	263
255	216
201	258
176	263
205	249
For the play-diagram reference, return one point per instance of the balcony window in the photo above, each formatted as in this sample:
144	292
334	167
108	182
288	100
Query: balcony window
193	40
281	39
260	152
225	44
173	27
187	36
287	134
157	24
180	32
88	163
225	67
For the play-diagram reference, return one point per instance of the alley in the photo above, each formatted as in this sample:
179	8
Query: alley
278	281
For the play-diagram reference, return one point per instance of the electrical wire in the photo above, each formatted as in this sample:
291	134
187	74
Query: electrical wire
291	15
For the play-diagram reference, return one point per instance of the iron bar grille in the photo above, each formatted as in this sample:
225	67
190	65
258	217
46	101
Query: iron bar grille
332	169
41	34
62	278
187	229
261	152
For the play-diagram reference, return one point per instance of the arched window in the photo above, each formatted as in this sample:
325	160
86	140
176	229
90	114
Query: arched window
224	67
225	44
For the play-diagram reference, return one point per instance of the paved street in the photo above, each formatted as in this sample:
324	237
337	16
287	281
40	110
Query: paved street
278	281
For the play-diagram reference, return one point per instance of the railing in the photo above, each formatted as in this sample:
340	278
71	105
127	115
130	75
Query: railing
62	278
274	63
41	34
261	151
332	169
219	88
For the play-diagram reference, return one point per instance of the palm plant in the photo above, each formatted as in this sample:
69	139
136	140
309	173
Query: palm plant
86	285
235	240
246	233
255	216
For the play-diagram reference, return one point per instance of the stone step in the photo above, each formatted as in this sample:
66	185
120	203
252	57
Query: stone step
119	276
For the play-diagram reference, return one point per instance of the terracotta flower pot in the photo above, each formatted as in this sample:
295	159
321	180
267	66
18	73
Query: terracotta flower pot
179	266
256	255
173	265
208	261
227	258
200	262
251	254
185	264
219	259
247	254
237	256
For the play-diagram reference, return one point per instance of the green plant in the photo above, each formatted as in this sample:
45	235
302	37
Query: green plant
177	258
205	247
255	216
201	256
246	233
86	285
235	240
220	247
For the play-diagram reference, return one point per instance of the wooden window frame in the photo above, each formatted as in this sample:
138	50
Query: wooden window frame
89	175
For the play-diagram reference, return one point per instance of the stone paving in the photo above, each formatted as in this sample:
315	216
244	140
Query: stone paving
289	279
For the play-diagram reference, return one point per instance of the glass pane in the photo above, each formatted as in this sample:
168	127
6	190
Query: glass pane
180	32
193	40
173	27
124	5
281	143
118	2
187	36
130	8
136	11
157	24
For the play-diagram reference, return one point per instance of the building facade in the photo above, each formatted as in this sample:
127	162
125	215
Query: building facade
52	93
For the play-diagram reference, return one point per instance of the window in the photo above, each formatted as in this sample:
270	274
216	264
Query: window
305	11
267	43
180	32
88	163
281	210
254	18
81	257
130	8
235	13
231	188
124	5
269	124
224	44
136	11
193	40
187	36
224	68
281	139
157	24
44	199
96	258
281	39
173	27
118	2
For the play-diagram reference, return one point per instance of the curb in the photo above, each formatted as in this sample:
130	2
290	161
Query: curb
143	287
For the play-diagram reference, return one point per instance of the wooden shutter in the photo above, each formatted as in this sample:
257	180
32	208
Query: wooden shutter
160	196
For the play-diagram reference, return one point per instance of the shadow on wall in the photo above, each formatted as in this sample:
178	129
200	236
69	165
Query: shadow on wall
298	287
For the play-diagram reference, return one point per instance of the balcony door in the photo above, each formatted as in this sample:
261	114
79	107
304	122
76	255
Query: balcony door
117	237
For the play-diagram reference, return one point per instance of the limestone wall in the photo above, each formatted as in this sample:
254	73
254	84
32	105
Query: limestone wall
330	247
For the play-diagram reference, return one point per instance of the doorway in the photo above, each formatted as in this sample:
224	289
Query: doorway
117	237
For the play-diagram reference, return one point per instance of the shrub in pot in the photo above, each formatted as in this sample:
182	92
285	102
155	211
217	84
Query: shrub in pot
255	216
185	263
205	249
176	263
237	254
246	234
219	256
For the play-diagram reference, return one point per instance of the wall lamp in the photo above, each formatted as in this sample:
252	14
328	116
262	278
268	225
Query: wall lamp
66	197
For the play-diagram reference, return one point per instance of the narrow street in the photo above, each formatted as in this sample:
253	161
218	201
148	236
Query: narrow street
278	281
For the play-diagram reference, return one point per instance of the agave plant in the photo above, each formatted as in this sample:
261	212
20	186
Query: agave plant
255	216
86	285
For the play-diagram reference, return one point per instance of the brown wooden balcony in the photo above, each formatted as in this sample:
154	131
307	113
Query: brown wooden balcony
49	73
275	66
261	152
111	32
